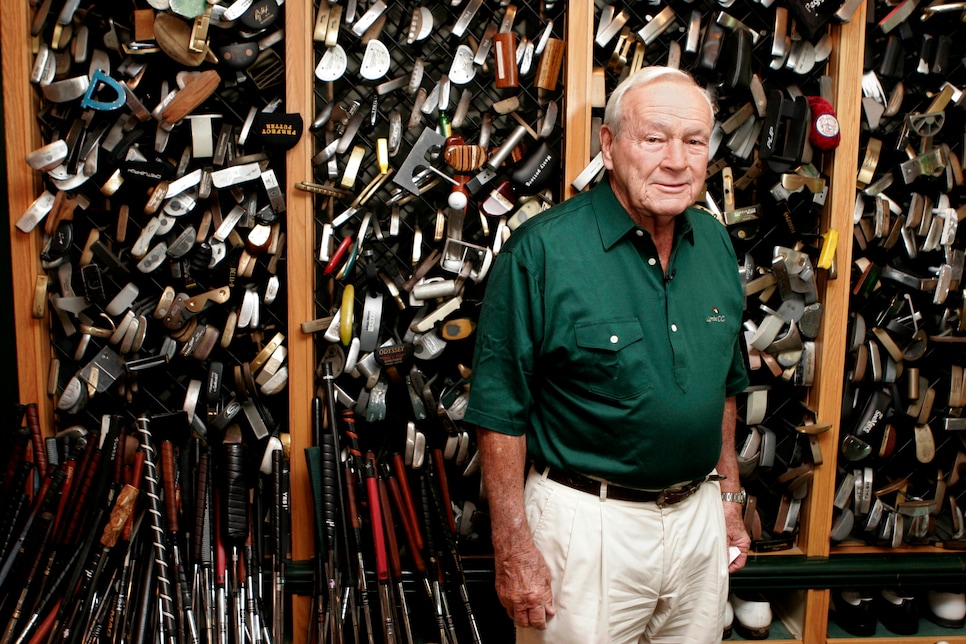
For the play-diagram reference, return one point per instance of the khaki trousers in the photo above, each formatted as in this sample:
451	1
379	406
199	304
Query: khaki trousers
627	572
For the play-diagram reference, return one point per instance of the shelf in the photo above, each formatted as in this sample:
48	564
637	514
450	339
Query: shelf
929	633
894	639
862	548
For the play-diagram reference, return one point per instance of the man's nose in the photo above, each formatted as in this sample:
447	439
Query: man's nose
674	154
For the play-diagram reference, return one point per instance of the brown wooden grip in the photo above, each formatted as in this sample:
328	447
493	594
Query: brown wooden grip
168	481
506	74
551	60
120	513
36	439
193	95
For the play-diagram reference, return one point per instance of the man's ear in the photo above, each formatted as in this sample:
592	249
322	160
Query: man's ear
606	140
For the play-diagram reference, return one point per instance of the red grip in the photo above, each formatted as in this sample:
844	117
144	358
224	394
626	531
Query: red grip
395	565
81	498
36	438
414	548
375	519
409	508
221	559
440	466
70	469
350	493
137	473
170	489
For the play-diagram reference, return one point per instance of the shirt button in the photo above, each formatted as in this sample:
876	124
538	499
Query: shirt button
614	339
652	261
640	233
674	327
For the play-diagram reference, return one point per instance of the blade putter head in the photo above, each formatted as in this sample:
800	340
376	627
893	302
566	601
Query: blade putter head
416	159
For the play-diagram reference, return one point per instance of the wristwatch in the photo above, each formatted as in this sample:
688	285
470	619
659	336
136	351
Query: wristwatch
735	497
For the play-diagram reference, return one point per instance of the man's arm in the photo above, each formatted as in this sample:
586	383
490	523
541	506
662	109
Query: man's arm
522	576
728	466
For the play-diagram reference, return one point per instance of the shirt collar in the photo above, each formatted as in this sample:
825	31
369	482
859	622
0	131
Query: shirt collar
613	222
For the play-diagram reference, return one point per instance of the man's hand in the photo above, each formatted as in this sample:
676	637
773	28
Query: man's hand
522	576
737	535
728	467
523	586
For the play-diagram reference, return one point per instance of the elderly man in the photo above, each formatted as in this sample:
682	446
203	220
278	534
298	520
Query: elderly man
604	384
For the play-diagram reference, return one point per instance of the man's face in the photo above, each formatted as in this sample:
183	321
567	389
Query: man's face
657	166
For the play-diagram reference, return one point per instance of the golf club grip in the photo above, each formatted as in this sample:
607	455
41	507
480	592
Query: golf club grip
168	483
236	493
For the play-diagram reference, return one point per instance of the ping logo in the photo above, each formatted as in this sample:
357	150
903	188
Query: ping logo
715	316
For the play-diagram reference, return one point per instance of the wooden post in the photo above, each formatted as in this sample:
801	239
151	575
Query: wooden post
577	78
19	99
300	282
845	67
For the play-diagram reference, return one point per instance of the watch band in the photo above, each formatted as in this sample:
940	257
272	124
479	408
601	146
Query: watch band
734	497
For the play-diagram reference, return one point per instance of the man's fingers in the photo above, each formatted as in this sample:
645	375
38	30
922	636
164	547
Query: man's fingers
535	617
738	563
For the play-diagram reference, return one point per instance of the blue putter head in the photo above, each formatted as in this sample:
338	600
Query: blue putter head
99	80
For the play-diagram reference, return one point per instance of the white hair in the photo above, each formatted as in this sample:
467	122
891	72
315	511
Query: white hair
614	113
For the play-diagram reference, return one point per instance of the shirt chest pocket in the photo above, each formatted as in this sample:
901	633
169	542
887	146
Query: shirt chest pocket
612	358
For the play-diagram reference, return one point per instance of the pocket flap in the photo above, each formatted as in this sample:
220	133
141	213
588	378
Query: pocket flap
610	335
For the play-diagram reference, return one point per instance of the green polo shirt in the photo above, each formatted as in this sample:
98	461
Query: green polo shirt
611	369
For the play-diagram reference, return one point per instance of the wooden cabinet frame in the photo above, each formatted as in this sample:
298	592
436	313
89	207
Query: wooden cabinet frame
32	334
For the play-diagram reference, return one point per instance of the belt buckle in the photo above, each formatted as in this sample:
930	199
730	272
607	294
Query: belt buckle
672	496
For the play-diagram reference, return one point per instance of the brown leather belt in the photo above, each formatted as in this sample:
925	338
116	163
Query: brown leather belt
668	496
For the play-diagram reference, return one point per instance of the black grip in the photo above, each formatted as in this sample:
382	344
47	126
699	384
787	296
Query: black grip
236	493
52	495
330	489
425	497
18	453
83	460
82	500
14	509
278	492
202	508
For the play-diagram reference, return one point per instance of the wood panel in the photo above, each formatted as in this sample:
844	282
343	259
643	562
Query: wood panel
576	109
300	272
845	67
32	337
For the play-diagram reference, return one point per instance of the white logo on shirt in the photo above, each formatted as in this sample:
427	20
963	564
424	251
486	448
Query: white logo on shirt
715	316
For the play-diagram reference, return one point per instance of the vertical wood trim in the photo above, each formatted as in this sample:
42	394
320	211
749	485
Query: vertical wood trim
845	67
22	136
577	79
300	282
